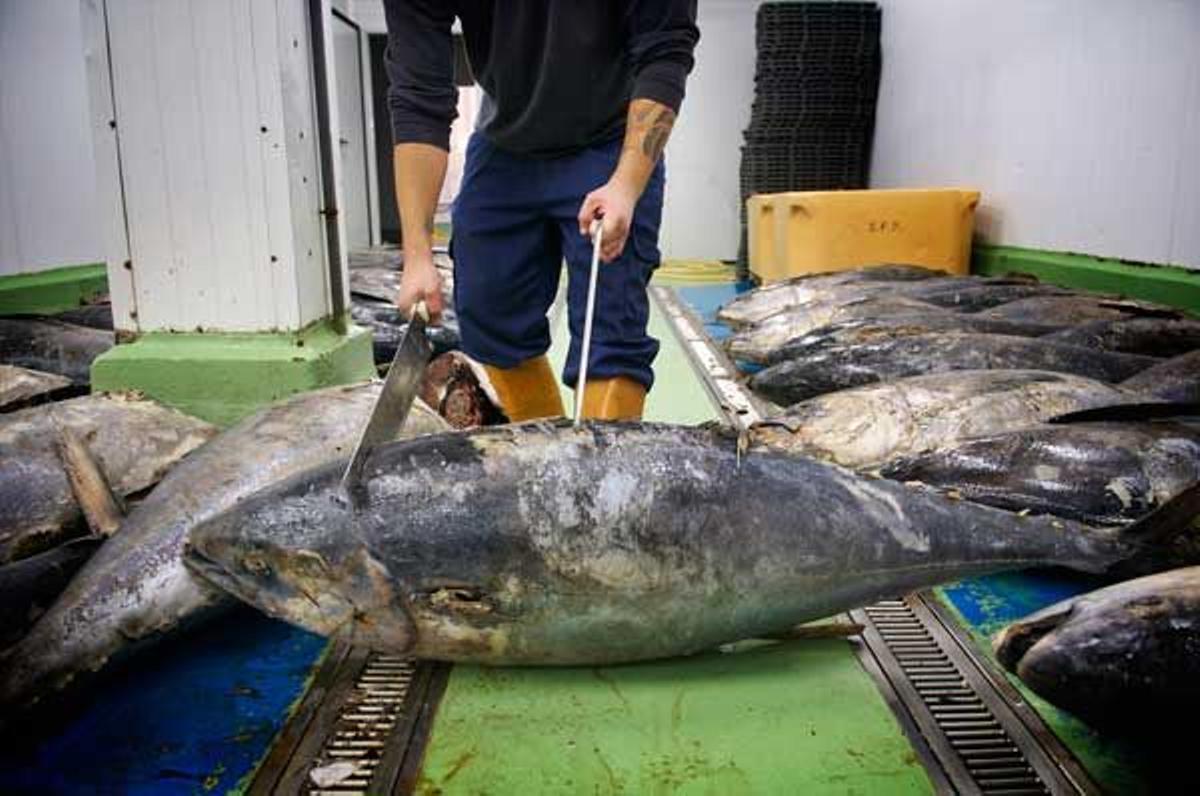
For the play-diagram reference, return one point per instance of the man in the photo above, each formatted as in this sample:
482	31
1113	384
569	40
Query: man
580	97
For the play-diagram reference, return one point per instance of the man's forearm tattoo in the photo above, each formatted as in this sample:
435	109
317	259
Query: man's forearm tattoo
656	137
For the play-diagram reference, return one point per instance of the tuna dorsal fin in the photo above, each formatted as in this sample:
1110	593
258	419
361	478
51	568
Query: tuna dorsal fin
1171	518
1147	410
104	510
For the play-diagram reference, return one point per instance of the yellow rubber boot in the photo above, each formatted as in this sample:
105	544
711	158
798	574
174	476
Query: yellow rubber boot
618	398
528	391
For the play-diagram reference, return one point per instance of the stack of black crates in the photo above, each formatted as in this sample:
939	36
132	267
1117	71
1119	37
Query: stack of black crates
816	85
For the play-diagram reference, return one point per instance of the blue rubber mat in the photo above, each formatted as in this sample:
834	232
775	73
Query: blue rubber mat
193	715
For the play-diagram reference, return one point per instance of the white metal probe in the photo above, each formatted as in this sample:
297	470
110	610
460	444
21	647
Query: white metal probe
581	382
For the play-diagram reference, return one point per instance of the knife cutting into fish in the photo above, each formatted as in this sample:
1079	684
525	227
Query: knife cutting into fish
395	399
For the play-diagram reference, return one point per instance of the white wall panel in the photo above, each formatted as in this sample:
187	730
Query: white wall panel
700	218
48	203
1077	119
217	136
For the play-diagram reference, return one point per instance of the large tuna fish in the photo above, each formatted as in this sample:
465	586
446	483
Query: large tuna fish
972	294
959	293
758	304
757	343
1157	337
29	586
1077	309
839	368
1098	473
21	387
135	441
862	331
52	346
870	425
1176	379
1119	658
550	544
135	587
388	327
97	315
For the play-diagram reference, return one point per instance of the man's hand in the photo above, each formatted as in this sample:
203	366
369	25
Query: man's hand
421	281
613	202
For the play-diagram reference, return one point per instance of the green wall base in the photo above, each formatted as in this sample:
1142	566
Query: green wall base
224	377
1178	287
48	292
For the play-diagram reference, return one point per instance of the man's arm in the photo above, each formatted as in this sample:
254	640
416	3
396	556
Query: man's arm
420	171
422	101
662	36
647	128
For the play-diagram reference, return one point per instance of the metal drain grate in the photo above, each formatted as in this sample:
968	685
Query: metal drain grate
976	746
981	735
359	735
362	722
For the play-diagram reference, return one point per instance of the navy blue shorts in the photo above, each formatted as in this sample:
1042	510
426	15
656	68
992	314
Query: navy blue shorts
514	221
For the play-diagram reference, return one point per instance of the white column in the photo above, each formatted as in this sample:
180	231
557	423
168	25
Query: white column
205	127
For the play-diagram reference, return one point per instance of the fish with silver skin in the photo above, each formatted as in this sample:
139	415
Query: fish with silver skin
958	293
757	343
29	586
52	346
21	387
1176	379
1156	337
134	440
867	426
1076	309
755	305
1097	473
1119	658
389	326
548	544
861	331
836	368
135	588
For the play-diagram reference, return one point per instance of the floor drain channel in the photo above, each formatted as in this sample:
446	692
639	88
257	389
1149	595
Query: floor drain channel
359	735
978	738
359	729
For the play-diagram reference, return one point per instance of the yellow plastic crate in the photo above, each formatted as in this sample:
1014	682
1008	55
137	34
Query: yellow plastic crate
795	233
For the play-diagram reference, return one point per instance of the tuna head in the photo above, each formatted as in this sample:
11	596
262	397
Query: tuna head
293	553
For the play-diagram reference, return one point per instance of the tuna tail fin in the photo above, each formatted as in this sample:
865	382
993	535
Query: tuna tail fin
1147	410
103	510
1167	521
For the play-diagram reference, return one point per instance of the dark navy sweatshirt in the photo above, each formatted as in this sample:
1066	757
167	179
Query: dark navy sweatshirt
557	75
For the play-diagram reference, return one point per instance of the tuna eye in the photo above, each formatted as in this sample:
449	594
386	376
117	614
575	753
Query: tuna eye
256	565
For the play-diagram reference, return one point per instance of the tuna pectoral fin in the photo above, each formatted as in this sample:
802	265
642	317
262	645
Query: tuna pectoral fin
1011	643
1149	410
103	510
1167	521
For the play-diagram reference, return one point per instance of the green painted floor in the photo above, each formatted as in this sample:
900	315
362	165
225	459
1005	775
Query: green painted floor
774	718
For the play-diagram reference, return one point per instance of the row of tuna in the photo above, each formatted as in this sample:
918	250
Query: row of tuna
545	543
820	334
1021	396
